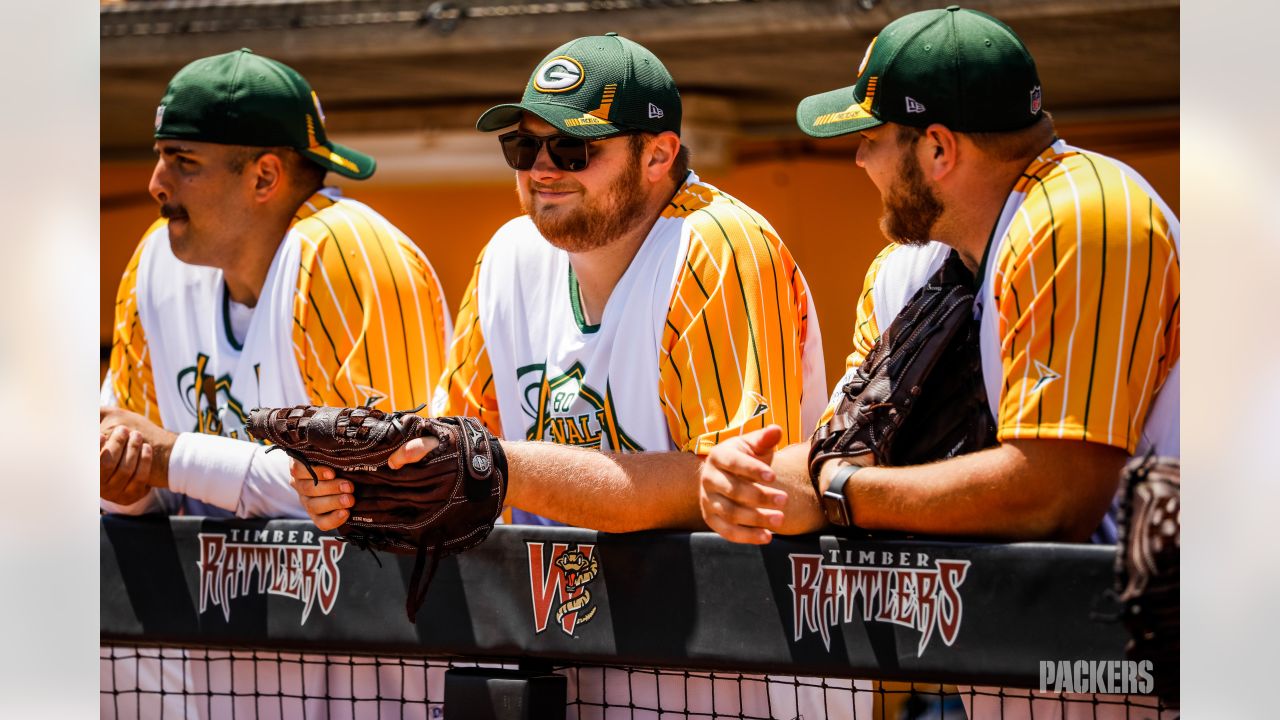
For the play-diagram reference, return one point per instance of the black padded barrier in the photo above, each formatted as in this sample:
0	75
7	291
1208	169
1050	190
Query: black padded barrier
918	610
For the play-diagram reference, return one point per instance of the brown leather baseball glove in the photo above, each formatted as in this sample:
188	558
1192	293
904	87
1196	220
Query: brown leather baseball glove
919	394
1147	567
441	505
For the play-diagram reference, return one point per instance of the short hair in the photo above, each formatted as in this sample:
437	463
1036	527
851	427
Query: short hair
679	166
303	173
1007	146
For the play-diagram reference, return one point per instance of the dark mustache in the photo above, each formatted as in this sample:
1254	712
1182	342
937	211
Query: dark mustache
170	212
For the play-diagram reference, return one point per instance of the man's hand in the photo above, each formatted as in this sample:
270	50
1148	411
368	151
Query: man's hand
736	487
125	466
159	440
327	501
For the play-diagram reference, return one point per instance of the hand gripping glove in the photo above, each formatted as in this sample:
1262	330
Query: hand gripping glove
439	506
919	394
1147	567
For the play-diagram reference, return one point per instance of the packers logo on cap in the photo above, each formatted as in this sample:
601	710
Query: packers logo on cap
862	67
559	74
315	99
159	116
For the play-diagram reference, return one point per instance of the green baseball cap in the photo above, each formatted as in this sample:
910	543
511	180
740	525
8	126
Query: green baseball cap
239	98
596	86
961	68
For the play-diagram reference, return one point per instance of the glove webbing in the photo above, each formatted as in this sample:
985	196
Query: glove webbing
297	454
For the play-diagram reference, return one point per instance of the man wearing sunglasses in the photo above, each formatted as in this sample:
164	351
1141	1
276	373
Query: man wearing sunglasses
632	318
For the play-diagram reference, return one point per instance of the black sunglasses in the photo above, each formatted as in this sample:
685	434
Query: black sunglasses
520	149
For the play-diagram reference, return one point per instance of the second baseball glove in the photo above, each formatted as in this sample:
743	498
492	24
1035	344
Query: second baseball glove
441	505
919	394
1148	573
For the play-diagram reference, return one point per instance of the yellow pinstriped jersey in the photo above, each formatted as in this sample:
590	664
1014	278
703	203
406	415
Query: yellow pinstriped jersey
131	379
1087	289
709	333
370	319
866	330
737	330
1079	304
350	310
466	386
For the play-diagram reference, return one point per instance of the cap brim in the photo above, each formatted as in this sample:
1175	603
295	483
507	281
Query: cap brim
833	113
568	120
342	160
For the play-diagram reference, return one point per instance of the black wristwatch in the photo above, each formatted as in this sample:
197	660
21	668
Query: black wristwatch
835	504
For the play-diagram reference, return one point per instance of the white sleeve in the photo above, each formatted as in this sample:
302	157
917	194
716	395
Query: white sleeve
107	393
233	474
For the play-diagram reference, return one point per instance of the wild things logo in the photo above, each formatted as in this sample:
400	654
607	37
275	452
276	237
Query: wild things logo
565	410
901	588
558	584
286	563
210	402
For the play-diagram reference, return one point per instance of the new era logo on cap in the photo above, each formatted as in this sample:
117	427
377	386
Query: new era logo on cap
914	106
654	111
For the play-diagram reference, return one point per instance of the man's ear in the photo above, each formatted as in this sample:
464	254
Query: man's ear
269	176
938	151
661	153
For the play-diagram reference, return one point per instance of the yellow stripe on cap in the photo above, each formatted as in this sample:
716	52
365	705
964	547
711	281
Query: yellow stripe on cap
586	120
853	112
333	157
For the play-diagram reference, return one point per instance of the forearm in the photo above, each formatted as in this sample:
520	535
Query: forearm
267	490
156	501
802	514
234	475
610	492
1009	491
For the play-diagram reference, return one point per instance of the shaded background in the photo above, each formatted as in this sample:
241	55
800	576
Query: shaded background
405	81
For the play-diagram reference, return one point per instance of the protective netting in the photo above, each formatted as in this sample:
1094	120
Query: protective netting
153	682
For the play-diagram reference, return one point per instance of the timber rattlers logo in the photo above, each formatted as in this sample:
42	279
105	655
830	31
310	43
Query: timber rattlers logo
296	564
558	584
906	588
565	410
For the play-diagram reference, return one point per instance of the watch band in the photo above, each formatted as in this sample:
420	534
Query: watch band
835	504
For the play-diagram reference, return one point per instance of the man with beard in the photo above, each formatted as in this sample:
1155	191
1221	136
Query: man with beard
633	309
634	317
1076	261
258	286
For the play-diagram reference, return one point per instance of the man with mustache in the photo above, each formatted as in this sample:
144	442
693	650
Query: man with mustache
634	317
259	286
1076	266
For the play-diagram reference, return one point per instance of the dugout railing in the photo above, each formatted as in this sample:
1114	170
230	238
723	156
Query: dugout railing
197	615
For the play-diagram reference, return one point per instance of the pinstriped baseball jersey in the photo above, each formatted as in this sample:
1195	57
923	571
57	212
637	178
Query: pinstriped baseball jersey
1079	305
370	318
350	309
709	333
